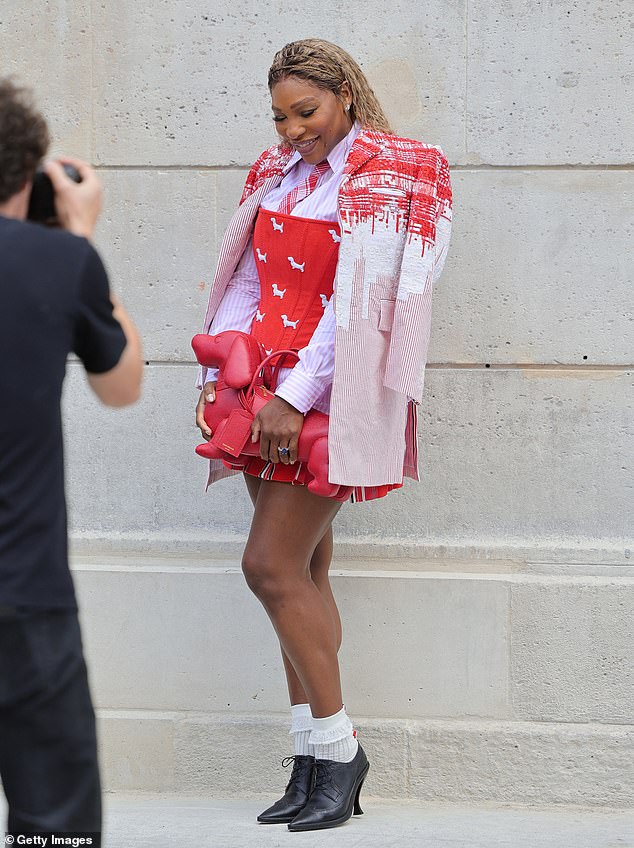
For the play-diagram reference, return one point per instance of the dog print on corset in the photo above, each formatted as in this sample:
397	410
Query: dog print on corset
296	283
296	280
295	265
293	296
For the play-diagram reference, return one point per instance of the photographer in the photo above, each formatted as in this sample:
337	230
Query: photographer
54	299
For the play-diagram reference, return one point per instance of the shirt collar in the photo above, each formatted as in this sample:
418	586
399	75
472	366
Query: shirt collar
337	156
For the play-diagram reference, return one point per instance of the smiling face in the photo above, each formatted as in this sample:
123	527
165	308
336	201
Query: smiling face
311	119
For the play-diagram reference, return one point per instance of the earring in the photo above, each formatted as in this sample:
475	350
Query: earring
347	107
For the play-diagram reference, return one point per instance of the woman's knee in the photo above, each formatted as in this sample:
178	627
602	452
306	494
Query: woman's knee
322	558
251	568
265	575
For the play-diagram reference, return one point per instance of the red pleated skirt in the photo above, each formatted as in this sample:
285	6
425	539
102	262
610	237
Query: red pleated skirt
297	475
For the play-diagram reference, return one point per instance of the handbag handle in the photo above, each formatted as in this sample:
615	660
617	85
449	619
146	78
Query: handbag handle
275	370
246	395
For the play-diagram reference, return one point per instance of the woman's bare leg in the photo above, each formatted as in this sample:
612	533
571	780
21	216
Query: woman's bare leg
288	524
319	568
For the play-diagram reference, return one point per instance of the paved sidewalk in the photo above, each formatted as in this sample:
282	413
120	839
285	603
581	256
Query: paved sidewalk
177	822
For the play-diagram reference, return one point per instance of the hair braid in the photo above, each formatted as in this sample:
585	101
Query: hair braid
328	66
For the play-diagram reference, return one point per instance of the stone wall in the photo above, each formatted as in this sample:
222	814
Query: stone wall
487	609
528	408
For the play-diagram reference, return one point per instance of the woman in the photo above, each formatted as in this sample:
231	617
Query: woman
343	205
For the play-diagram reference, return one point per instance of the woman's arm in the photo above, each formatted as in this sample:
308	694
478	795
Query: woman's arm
235	312
237	307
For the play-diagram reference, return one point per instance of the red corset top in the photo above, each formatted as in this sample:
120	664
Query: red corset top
296	260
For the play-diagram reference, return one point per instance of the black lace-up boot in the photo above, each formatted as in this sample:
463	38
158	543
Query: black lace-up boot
297	791
334	795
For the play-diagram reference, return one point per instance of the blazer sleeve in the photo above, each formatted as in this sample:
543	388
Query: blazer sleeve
427	240
237	307
241	277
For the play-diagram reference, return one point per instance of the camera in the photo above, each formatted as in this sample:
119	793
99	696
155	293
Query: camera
42	201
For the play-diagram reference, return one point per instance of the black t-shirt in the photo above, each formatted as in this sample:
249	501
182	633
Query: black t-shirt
54	299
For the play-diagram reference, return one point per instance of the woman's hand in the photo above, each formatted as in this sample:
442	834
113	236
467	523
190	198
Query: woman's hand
278	424
208	395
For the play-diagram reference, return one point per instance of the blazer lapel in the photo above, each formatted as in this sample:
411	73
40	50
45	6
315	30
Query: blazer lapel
235	241
366	146
240	227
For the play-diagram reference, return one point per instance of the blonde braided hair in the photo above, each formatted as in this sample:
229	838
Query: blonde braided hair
327	66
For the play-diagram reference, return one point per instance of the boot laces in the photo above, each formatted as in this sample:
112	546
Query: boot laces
298	769
323	775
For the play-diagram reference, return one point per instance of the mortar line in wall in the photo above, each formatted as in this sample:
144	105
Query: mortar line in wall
509	645
454	167
407	764
448	366
223	716
93	151
561	166
527	366
466	78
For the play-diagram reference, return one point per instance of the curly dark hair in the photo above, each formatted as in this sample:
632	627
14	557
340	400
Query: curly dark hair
24	138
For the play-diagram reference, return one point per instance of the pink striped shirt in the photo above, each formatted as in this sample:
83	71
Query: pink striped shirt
308	384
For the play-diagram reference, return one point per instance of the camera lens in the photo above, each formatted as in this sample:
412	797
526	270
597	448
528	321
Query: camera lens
42	200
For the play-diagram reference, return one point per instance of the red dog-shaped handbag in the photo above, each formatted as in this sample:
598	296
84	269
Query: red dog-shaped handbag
241	391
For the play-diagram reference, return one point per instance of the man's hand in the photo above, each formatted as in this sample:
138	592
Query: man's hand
77	204
278	424
208	395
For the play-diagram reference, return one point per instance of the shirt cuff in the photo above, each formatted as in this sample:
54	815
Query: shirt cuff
300	390
211	376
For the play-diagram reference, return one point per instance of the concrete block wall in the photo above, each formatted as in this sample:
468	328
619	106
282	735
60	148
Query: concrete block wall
467	682
528	409
526	422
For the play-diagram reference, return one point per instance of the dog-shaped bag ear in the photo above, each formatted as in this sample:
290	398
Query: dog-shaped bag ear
236	354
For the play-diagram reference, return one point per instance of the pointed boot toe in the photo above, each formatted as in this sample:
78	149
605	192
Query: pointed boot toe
335	794
296	794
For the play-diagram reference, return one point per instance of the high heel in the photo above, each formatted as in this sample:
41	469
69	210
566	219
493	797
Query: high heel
296	794
357	806
335	794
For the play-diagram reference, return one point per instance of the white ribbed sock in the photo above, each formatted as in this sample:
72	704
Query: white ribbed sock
333	738
301	726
